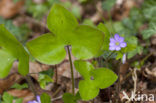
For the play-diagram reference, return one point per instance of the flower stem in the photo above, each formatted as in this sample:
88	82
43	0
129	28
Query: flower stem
72	73
118	87
31	85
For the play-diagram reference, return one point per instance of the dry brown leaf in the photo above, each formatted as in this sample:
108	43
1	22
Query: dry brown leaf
8	8
9	81
151	74
121	11
35	68
26	94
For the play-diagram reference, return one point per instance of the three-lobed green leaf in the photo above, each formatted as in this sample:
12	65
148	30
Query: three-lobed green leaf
11	50
94	79
86	41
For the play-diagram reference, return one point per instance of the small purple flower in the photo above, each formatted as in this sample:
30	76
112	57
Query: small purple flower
36	101
117	43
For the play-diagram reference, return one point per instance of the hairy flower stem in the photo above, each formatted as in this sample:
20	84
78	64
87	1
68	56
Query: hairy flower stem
31	85
71	67
118	87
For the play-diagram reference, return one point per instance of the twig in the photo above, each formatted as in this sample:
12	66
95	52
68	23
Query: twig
135	80
57	98
57	91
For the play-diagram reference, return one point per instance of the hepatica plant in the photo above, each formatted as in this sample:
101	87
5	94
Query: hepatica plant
85	42
65	33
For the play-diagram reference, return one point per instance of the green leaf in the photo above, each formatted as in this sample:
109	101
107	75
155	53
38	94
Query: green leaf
6	62
14	51
150	31
47	49
119	55
44	79
45	98
87	42
88	22
19	100
49	72
107	35
149	9
83	68
103	77
138	49
7	98
88	89
77	96
94	79
70	98
18	86
60	21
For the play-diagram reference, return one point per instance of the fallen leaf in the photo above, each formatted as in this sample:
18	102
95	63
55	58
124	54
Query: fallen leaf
8	8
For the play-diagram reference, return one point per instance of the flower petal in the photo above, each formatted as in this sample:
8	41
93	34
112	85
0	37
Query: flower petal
33	101
123	44
38	99
116	37
30	102
111	48
121	39
112	40
111	44
117	48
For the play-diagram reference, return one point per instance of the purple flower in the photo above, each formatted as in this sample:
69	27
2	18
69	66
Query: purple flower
117	43
36	101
